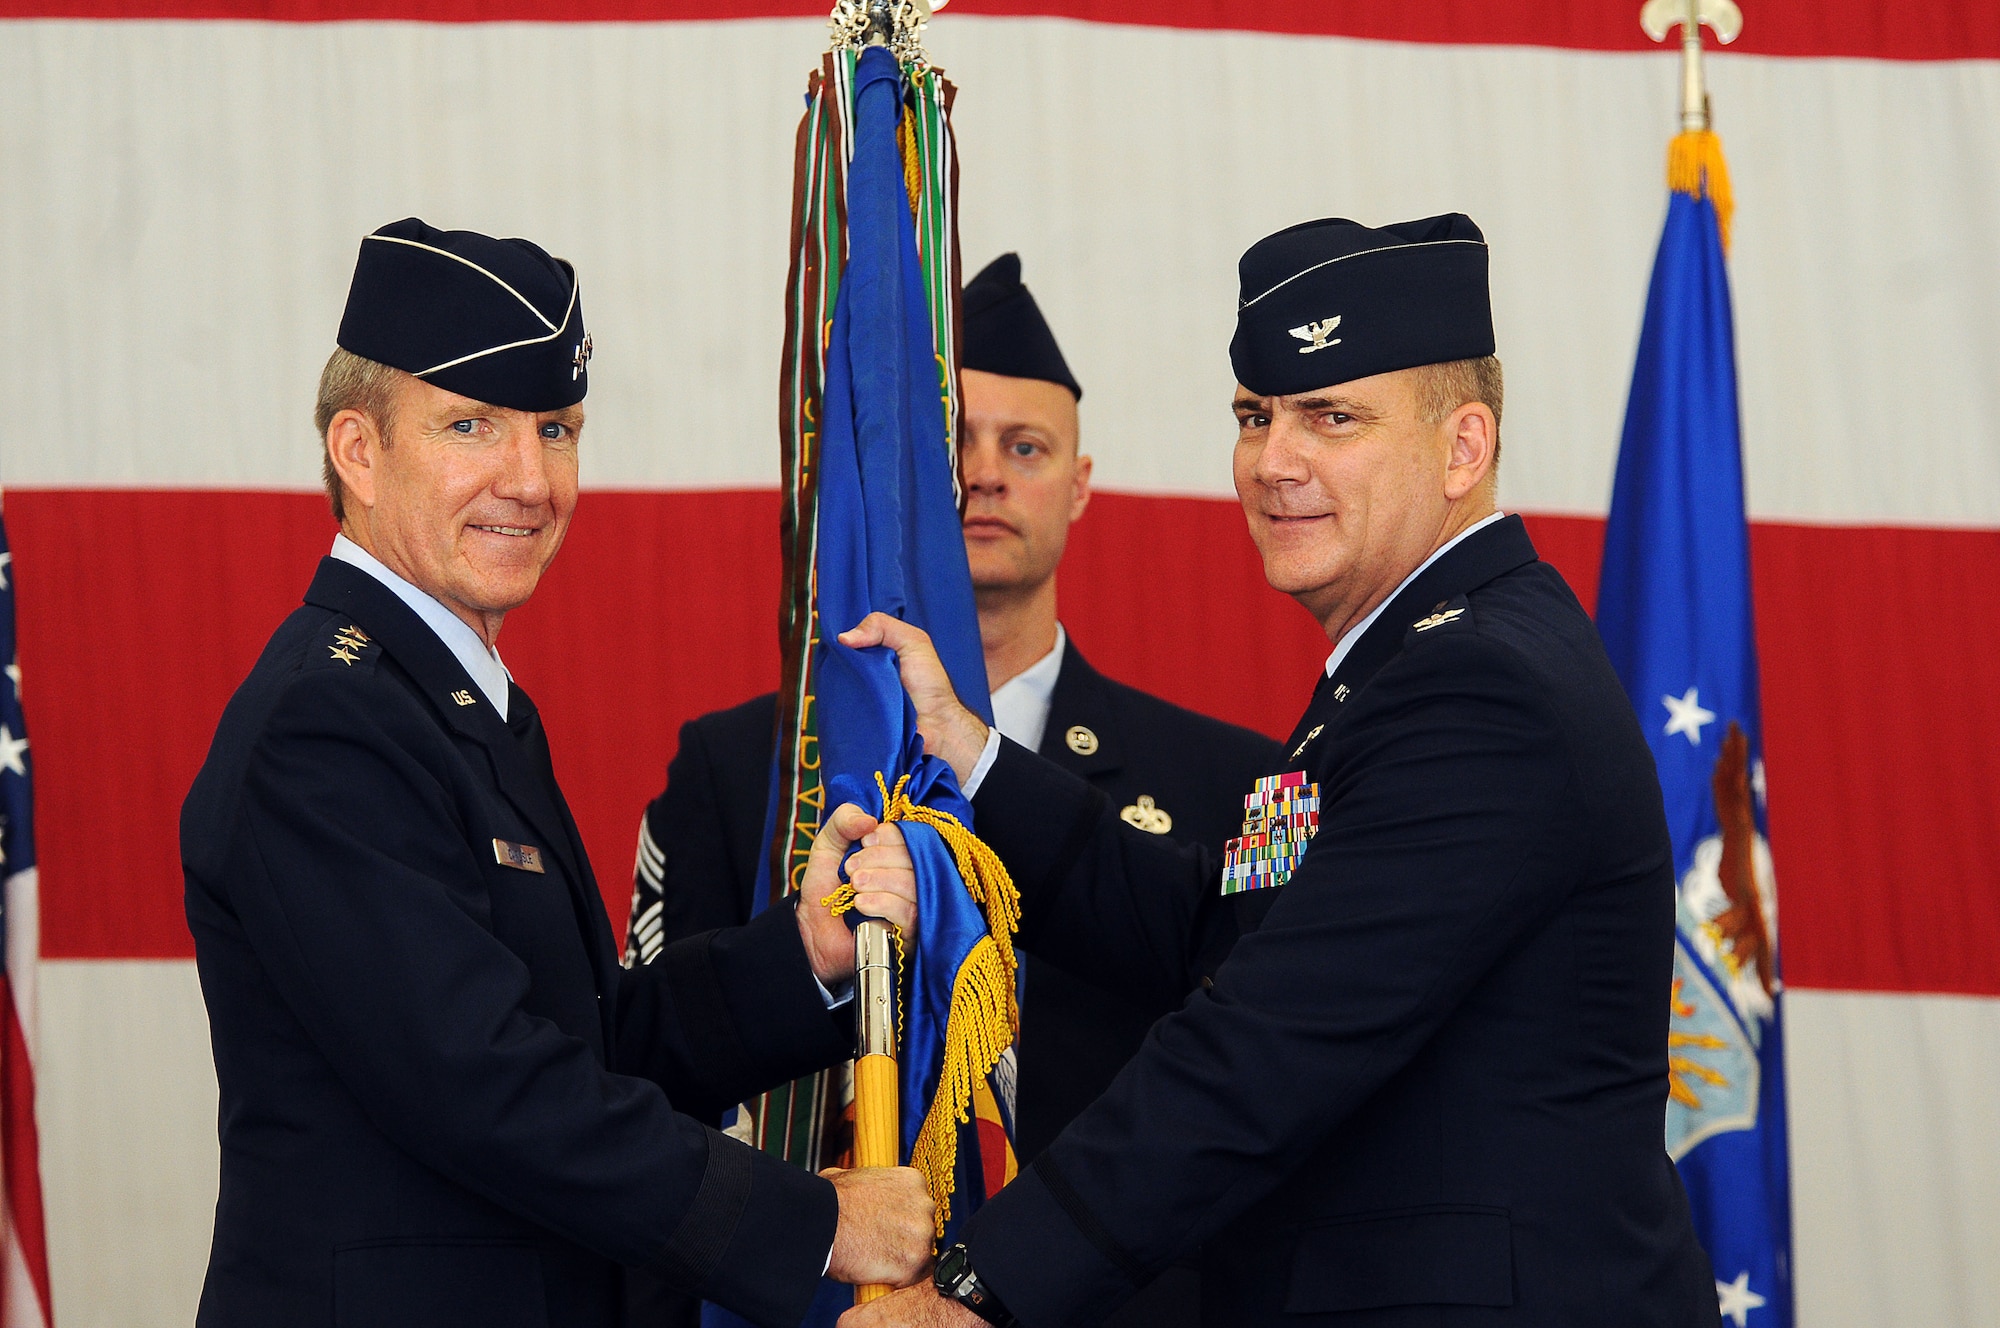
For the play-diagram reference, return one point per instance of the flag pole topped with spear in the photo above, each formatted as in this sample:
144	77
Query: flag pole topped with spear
868	416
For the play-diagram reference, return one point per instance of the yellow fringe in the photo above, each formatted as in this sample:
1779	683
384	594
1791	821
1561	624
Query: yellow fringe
983	1016
1695	166
913	163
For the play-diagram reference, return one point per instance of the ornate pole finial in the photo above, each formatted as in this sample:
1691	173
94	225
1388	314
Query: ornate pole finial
896	24
1660	17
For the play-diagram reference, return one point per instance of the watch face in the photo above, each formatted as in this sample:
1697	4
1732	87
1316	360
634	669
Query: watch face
952	1267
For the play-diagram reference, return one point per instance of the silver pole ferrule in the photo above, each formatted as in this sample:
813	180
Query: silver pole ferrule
875	989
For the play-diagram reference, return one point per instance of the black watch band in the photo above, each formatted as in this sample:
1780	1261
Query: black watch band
956	1281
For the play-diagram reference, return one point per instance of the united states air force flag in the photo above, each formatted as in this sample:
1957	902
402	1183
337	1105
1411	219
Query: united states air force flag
1675	611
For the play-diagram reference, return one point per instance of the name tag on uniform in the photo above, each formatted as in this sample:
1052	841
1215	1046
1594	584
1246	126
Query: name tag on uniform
1280	817
521	857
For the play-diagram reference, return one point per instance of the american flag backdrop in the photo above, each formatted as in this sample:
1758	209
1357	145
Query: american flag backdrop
24	1260
183	184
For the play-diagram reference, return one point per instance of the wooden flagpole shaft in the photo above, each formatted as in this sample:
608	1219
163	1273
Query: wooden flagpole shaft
877	1124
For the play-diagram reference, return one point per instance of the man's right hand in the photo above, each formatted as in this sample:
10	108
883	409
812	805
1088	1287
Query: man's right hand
886	1226
951	732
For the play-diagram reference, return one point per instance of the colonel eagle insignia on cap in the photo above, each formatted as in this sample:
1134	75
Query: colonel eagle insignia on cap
500	321
1316	334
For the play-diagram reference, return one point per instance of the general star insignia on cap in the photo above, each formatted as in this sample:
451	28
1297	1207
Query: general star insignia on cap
1408	294
500	321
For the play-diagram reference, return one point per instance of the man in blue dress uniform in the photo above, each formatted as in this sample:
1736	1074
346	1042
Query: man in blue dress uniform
443	1102
1420	1076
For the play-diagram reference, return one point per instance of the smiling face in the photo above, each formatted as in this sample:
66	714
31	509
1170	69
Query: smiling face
1024	482
1348	489
467	502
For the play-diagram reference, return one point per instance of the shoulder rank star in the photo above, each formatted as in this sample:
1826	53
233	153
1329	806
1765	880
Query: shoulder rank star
1147	815
1435	620
347	643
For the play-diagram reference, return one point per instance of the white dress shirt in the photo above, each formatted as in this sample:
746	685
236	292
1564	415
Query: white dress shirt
1021	706
481	663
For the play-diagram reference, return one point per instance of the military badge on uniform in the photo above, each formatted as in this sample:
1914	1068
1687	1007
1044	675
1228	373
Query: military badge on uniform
1316	731
521	857
1147	815
348	643
1280	817
1080	740
1435	620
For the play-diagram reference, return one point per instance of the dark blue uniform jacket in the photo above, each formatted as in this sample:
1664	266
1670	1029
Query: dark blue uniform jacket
442	1100
1422	1083
1076	1031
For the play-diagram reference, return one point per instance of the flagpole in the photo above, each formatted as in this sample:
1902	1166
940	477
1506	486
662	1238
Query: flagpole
1661	17
877	1113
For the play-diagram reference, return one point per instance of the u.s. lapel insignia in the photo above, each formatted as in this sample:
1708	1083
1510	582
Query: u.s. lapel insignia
463	697
1435	620
1309	737
521	857
1340	692
1147	815
1080	740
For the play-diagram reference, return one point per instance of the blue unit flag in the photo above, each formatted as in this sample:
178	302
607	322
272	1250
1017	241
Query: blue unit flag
1674	608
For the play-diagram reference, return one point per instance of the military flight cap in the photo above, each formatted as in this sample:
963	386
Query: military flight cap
1331	301
499	321
1005	332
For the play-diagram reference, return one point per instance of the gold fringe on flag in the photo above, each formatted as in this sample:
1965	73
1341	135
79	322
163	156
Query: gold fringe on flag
983	1015
1695	167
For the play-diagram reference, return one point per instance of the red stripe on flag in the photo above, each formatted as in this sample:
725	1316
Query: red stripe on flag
20	1145
1919	30
140	612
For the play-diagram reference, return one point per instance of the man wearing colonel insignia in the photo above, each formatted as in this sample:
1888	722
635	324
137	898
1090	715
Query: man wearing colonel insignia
1421	1069
443	1101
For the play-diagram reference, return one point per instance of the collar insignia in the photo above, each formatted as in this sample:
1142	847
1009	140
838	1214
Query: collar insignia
1435	620
1309	737
1080	740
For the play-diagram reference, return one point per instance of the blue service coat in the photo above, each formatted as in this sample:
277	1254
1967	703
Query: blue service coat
1424	1081
443	1102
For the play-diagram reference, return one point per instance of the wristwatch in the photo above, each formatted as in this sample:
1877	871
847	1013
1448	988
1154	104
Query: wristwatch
955	1280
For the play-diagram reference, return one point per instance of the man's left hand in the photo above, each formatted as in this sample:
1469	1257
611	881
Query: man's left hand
885	886
918	1306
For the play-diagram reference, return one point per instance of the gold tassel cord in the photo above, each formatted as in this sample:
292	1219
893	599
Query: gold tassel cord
1695	167
983	1015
